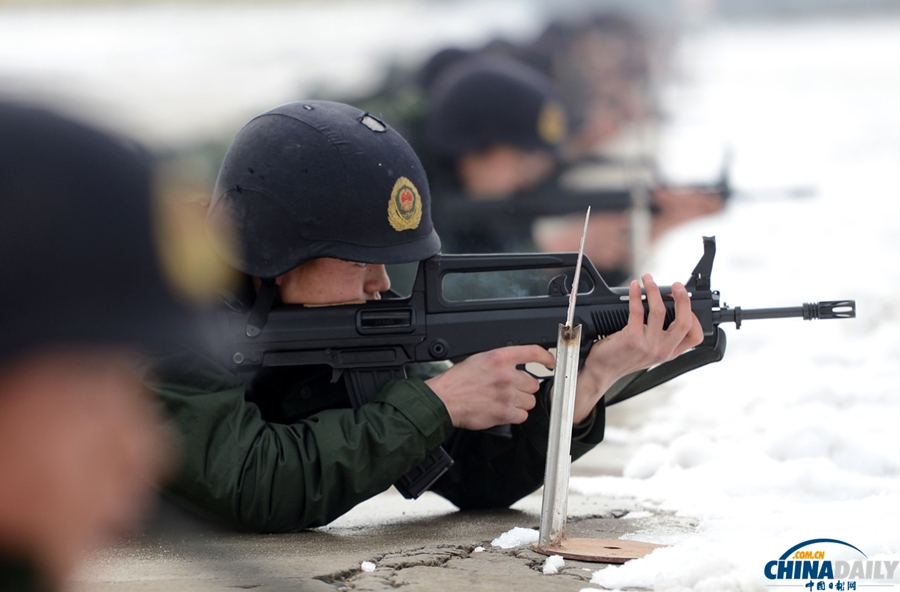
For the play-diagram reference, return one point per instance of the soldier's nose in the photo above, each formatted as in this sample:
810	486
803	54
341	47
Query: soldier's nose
377	279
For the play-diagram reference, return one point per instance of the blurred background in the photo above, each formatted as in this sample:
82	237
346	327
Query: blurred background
183	77
789	108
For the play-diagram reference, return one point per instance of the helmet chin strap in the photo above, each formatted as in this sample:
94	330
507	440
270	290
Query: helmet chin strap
265	296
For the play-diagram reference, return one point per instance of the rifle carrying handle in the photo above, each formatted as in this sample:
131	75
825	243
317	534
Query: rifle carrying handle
362	386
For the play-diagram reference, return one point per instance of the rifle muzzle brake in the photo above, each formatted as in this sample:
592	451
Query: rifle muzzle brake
828	309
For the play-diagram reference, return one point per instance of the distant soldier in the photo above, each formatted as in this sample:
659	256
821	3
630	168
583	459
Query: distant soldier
492	132
605	67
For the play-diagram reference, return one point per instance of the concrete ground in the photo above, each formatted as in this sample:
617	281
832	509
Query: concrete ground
426	544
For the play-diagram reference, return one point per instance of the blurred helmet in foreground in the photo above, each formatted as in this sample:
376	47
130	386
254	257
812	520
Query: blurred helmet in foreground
78	239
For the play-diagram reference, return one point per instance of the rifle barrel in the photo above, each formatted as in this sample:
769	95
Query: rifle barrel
828	309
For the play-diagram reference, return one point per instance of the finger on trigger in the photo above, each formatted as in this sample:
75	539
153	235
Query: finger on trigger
527	354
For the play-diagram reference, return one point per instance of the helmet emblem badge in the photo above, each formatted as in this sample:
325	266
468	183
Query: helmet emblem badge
405	206
552	123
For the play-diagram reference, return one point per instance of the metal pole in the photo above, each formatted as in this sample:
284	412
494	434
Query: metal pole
641	222
562	413
559	459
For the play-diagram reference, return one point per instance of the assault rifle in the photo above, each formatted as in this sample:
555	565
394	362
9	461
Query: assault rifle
452	210
452	313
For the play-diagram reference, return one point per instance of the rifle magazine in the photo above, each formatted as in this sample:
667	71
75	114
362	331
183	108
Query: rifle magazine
418	480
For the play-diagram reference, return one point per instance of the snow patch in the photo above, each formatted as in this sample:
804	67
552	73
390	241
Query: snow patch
553	564
516	538
638	514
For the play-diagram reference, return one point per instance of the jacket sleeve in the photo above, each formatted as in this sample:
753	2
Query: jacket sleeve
495	472
266	477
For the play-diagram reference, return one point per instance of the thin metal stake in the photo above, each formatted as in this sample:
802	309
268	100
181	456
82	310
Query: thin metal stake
554	504
559	445
570	314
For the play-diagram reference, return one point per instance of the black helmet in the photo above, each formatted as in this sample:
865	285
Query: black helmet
486	100
322	179
78	250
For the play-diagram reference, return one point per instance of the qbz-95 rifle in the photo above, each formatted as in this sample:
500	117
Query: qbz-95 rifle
368	344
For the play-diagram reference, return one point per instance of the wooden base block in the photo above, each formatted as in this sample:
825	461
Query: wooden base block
599	550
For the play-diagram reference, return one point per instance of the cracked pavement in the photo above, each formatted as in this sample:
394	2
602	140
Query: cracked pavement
420	545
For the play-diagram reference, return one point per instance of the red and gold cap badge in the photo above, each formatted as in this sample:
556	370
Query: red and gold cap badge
405	206
551	123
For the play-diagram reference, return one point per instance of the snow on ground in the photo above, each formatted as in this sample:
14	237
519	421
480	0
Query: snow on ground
553	564
516	538
794	436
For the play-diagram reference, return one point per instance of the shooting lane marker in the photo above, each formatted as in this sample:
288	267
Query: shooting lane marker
599	550
552	539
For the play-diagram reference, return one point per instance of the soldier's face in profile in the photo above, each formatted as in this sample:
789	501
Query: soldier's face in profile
501	171
326	281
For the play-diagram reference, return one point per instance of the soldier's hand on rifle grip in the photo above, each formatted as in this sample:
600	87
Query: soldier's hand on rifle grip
486	389
638	345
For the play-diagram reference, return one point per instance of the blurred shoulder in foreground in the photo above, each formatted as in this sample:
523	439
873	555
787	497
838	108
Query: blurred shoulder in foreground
86	288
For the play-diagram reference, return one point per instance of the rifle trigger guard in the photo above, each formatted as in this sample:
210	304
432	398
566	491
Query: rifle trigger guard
530	373
259	314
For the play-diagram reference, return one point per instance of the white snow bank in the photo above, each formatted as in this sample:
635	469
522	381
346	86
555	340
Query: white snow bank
793	436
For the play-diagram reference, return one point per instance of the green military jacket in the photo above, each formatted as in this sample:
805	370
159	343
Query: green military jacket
297	456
